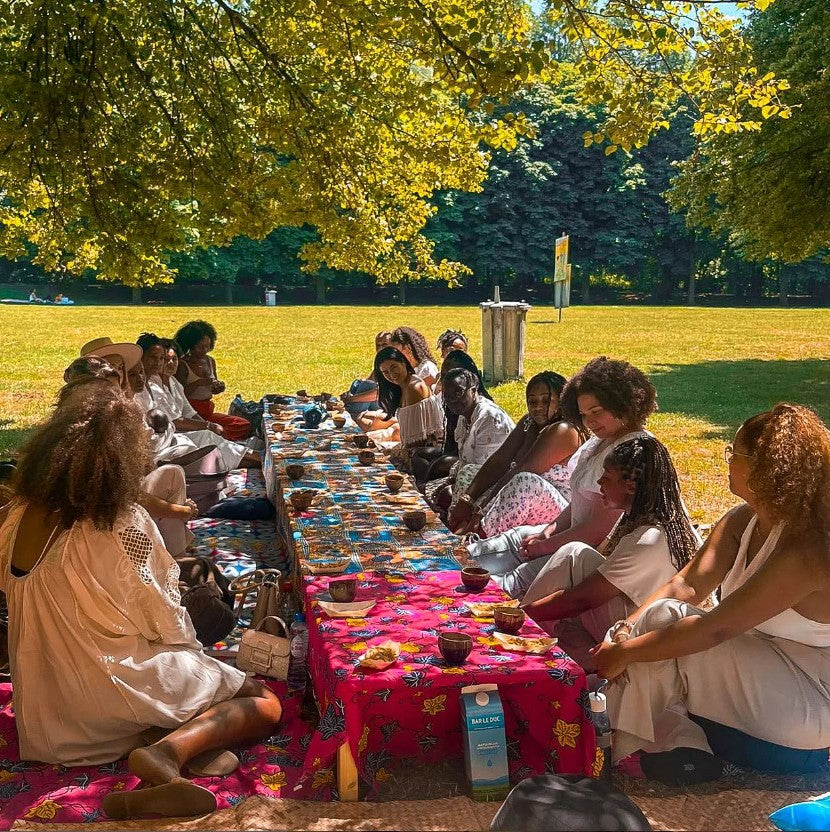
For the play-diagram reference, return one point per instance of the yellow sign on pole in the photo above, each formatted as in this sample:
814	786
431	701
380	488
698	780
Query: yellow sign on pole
560	266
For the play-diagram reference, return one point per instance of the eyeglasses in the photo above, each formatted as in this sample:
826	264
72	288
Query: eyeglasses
729	453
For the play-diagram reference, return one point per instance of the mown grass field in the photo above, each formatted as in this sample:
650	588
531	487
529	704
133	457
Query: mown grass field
712	367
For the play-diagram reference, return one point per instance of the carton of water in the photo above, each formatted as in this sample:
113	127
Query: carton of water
485	744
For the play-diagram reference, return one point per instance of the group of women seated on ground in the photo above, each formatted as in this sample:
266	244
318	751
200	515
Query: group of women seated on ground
104	658
577	511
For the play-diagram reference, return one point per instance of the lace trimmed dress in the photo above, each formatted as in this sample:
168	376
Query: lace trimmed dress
420	424
100	647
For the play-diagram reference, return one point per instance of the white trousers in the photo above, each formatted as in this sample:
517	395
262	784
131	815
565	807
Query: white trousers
566	568
500	555
770	688
167	483
231	452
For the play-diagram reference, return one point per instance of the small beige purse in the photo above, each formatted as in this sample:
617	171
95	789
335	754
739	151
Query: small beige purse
263	653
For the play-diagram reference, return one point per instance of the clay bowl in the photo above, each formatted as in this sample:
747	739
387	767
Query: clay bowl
280	426
415	520
508	619
366	457
302	500
394	482
339	420
475	578
322	397
295	470
303	394
455	647
343	590
360	440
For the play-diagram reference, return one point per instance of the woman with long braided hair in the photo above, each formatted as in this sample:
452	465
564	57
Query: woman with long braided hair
581	592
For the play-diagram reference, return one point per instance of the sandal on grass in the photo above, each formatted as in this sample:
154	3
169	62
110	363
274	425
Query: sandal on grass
681	766
177	799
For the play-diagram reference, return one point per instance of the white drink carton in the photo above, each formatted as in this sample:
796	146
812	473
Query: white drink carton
485	745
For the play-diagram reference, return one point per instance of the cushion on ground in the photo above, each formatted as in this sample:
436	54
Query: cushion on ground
245	482
750	752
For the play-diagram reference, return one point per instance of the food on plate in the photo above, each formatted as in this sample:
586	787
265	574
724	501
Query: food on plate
521	644
485	609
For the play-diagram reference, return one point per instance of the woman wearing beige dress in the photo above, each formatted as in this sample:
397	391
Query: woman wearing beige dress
101	650
760	661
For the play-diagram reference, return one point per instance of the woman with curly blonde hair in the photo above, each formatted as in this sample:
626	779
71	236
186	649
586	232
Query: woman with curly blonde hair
760	661
102	653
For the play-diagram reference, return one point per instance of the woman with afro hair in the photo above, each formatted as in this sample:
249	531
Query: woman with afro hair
197	373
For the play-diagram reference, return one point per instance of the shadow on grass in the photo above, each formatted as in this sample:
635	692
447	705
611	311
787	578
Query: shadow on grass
726	393
11	438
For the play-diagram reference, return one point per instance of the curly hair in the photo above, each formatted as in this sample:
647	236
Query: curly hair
646	461
87	460
459	358
556	384
192	332
91	366
390	395
619	387
448	336
789	473
411	338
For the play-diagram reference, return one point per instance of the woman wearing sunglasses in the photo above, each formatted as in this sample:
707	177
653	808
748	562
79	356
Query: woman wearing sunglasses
760	661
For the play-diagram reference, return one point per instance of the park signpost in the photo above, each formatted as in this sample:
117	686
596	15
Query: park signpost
561	275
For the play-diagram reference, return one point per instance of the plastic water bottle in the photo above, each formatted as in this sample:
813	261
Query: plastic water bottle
298	663
286	605
602	729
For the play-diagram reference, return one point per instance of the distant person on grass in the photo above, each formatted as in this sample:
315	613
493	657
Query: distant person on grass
101	648
197	373
760	661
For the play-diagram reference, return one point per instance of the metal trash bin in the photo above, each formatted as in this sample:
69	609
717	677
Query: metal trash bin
503	339
270	297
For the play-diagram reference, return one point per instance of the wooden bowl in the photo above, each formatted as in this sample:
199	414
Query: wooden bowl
366	457
415	520
302	500
360	440
394	482
303	394
295	470
339	420
279	426
343	590
455	647
475	578
508	619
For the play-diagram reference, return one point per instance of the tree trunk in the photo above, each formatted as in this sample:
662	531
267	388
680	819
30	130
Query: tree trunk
586	286
136	299
783	286
402	291
692	280
229	294
320	285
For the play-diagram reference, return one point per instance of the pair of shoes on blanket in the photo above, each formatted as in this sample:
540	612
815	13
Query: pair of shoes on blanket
216	762
179	798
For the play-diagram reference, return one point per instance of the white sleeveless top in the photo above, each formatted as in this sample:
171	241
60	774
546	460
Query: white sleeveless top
420	421
788	624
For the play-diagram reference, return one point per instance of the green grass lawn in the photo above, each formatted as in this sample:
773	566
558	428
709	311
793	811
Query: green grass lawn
712	367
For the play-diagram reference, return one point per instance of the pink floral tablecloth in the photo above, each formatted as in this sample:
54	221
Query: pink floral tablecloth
411	710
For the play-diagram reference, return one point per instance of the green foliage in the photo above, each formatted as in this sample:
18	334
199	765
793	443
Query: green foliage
132	129
769	189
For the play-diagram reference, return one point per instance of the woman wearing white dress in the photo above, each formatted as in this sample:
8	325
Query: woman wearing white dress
583	590
414	346
760	661
187	425
611	399
100	648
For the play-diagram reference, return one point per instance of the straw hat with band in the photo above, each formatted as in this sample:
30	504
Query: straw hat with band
102	347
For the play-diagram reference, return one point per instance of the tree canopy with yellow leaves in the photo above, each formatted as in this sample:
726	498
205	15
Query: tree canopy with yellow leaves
133	129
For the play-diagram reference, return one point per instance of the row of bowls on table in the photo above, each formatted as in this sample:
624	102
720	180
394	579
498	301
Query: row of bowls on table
454	647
